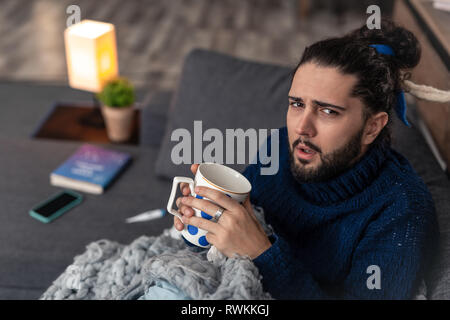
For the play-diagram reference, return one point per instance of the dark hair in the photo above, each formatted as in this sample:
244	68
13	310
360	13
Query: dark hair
378	74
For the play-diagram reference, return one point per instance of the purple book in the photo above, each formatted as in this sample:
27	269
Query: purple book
90	169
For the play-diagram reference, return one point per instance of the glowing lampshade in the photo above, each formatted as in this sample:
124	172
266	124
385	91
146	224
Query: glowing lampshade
91	54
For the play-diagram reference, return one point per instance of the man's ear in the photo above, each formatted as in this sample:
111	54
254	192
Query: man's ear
374	125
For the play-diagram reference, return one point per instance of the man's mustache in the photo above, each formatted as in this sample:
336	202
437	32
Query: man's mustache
306	143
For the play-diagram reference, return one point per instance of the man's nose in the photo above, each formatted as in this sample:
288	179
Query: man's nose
305	125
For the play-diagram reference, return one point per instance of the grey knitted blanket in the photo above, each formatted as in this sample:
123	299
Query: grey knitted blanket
109	270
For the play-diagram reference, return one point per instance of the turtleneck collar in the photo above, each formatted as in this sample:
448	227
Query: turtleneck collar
347	184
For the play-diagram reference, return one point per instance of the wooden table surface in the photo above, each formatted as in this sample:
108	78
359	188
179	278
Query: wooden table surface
68	122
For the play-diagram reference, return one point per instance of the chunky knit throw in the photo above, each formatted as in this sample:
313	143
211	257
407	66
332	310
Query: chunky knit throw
332	237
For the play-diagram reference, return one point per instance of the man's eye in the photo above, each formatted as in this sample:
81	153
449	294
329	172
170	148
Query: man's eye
330	112
296	104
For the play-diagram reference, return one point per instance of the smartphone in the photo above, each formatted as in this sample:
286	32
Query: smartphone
55	206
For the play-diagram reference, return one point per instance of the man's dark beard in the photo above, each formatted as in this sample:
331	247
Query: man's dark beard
331	164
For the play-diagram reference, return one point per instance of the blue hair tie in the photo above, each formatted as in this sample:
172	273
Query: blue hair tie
400	108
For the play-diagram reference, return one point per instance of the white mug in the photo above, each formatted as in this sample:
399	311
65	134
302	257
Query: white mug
214	176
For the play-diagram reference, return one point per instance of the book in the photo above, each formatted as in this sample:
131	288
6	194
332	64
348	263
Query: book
90	169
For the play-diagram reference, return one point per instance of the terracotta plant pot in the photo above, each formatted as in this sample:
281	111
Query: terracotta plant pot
118	122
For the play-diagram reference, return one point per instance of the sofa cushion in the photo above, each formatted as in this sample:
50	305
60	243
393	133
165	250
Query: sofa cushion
223	92
34	254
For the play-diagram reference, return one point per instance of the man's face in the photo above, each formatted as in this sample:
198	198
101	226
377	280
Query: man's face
325	123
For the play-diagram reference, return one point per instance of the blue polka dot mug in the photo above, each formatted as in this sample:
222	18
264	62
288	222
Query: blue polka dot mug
214	176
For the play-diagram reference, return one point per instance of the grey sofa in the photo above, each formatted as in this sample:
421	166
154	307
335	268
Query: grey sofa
223	92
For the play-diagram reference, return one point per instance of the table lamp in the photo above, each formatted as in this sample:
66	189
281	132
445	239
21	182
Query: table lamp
91	56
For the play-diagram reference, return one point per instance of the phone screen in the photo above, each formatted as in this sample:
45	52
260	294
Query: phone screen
51	207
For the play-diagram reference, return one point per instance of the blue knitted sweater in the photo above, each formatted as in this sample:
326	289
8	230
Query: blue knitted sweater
328	236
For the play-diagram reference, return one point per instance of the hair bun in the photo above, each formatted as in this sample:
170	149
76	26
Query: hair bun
405	45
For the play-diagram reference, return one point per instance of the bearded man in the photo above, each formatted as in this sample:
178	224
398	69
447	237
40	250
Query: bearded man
344	206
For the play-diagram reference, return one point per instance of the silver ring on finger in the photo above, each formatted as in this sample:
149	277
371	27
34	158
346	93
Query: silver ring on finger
218	213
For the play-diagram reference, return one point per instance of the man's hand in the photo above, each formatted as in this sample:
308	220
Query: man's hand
184	210
237	231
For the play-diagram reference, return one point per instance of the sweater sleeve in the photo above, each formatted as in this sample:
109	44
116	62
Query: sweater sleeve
387	263
283	274
399	246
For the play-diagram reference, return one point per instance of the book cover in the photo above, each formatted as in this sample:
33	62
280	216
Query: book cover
90	169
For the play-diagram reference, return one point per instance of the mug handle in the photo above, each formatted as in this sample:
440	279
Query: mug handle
176	182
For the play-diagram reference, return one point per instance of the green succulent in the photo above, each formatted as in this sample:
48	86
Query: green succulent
117	93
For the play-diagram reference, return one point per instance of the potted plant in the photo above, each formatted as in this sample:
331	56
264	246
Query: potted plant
117	98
